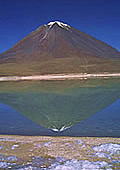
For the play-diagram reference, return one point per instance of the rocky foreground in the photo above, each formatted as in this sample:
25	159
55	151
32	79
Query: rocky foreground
59	153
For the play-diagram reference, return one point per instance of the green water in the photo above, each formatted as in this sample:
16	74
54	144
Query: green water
54	104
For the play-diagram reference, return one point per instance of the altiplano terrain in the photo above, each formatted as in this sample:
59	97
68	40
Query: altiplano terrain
34	152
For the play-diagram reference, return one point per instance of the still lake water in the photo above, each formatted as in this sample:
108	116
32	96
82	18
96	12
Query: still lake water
70	108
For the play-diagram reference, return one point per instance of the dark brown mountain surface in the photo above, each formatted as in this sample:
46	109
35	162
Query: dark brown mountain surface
59	48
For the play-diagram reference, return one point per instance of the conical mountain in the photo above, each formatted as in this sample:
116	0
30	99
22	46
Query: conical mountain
59	48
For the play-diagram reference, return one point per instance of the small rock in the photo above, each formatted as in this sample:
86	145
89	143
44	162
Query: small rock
47	143
61	159
80	142
1	147
14	146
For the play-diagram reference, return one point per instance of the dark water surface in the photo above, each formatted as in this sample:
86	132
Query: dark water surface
73	108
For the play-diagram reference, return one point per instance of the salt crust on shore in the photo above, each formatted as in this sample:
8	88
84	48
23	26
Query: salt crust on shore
61	163
59	76
106	149
67	165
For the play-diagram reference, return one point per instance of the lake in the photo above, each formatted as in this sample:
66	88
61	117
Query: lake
69	107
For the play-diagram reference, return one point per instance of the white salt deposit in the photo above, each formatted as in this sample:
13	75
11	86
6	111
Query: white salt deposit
79	142
14	146
108	147
80	165
101	155
5	165
1	147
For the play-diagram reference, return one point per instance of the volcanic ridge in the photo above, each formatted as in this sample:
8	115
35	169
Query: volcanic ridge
57	48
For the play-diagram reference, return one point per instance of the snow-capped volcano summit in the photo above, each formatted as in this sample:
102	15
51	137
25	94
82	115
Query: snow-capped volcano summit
59	48
61	24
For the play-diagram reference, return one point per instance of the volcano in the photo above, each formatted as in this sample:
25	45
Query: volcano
57	47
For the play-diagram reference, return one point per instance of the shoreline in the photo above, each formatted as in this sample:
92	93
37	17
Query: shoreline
59	77
32	138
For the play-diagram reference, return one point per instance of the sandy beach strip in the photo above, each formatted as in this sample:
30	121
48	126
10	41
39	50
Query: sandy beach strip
59	76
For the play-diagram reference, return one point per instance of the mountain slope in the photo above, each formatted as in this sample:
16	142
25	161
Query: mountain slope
59	48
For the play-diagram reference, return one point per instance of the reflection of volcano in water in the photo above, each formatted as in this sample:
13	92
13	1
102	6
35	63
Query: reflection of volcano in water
14	123
103	123
56	108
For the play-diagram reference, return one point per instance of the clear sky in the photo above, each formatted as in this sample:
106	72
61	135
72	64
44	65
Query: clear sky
99	18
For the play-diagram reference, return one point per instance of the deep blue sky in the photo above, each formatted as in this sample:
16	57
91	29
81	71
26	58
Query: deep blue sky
99	18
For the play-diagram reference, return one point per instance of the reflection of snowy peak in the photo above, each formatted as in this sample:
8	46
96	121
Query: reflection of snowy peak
61	129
